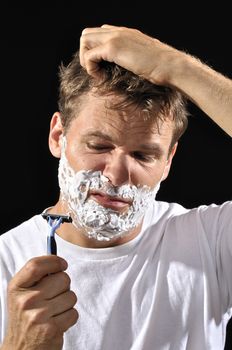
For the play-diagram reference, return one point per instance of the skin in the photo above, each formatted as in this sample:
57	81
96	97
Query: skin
40	305
33	323
161	64
126	150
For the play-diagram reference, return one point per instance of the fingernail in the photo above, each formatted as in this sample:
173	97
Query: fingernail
64	264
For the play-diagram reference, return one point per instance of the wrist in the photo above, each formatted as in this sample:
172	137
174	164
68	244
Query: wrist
183	69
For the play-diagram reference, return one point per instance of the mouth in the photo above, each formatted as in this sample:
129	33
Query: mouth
115	203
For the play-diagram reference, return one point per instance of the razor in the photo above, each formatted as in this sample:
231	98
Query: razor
54	222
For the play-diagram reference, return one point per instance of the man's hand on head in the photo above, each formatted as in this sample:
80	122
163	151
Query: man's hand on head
129	48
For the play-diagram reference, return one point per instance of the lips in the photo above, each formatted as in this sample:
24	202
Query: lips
115	203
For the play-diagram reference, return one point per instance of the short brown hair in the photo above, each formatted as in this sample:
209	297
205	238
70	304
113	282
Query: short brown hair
156	102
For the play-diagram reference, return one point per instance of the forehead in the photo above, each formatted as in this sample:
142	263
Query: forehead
95	114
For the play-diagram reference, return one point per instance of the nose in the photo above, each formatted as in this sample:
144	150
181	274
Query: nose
117	169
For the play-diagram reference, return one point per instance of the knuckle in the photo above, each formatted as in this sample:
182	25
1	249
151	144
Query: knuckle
33	268
26	301
49	330
116	35
85	31
23	303
37	316
112	45
11	286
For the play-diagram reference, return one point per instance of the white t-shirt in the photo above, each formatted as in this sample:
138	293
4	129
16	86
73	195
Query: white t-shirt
170	288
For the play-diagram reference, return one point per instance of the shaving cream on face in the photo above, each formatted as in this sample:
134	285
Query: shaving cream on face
98	222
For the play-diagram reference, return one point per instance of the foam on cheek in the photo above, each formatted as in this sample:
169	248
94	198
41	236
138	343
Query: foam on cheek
97	221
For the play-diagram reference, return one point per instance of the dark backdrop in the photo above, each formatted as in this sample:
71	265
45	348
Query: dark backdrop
36	37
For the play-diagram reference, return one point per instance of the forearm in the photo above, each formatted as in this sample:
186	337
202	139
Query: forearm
162	65
208	89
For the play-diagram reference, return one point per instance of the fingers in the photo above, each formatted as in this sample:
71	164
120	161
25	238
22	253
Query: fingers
52	285
92	39
40	304
61	303
97	44
105	28
129	48
109	26
102	29
66	320
121	45
35	269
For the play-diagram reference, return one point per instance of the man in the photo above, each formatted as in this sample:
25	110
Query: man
147	274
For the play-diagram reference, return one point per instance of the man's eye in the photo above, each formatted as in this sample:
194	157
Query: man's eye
97	147
142	157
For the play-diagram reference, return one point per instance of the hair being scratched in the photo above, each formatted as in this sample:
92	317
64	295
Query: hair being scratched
154	102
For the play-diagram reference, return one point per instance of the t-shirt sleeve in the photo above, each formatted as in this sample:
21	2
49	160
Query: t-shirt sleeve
217	222
6	267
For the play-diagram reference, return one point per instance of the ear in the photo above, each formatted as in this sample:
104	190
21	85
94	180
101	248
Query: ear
55	135
169	162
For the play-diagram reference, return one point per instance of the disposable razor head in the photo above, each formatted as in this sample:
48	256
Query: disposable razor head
64	218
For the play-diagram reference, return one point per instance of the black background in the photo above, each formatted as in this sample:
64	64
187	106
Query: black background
36	37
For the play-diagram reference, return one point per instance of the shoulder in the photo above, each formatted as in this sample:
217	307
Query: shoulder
25	230
163	211
23	242
206	226
174	209
209	217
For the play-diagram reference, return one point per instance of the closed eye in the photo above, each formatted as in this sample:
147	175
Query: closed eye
99	147
143	157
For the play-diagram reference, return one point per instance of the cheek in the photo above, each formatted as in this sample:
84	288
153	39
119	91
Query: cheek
149	175
83	161
147	179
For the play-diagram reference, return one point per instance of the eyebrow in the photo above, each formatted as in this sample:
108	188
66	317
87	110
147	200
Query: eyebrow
97	133
152	148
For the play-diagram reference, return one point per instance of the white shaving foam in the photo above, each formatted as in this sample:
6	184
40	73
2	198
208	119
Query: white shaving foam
98	222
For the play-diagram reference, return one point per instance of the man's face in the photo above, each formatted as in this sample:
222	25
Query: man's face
128	151
125	148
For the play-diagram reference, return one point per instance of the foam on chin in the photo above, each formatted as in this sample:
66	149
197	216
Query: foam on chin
98	222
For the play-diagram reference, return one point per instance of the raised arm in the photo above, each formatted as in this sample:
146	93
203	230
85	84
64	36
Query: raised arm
162	65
